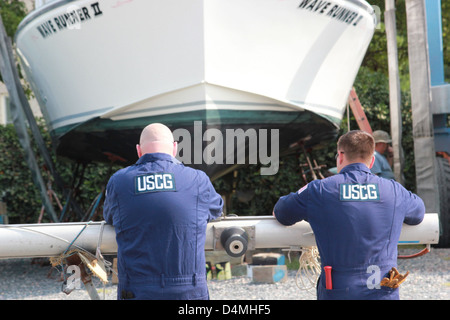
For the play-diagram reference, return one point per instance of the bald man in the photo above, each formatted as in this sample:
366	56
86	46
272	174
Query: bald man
160	210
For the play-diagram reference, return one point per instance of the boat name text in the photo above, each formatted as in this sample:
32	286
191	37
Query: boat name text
71	19
332	10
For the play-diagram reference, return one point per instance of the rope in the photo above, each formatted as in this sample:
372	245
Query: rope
72	249
309	268
99	256
98	253
55	261
71	244
79	233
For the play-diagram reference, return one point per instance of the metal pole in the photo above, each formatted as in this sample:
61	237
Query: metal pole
423	132
9	73
52	239
394	90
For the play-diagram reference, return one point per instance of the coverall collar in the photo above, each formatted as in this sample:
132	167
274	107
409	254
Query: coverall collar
355	166
151	157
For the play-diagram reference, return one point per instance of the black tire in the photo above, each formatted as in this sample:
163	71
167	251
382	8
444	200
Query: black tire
443	180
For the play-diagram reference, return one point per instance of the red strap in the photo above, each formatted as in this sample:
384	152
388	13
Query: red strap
418	254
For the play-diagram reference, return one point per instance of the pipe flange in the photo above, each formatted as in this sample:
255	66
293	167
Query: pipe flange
235	241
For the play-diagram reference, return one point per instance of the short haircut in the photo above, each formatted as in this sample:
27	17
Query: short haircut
357	145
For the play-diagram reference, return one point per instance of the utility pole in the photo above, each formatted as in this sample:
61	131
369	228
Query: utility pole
394	90
423	131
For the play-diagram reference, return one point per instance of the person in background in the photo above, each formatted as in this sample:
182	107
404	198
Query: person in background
383	155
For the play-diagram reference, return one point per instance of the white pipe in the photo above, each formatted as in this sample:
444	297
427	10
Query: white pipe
47	240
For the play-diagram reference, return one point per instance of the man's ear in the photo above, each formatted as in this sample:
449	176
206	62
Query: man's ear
175	149
372	162
138	150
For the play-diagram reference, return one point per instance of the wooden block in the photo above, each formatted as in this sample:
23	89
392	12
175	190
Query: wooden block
269	274
114	279
3	219
268	258
239	270
221	256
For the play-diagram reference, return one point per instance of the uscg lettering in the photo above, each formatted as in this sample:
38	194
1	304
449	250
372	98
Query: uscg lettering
359	192
154	182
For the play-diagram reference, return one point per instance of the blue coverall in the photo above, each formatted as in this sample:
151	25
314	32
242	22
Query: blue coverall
381	167
160	210
357	218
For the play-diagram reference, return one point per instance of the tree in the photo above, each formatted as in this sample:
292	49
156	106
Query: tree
12	13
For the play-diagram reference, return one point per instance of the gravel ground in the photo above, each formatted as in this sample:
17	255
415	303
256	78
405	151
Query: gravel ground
21	279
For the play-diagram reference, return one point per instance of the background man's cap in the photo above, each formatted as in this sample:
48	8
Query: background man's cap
381	136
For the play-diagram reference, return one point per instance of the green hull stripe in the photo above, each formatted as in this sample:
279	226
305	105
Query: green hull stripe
212	117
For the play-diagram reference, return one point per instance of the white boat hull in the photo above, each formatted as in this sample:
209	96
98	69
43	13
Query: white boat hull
102	66
119	53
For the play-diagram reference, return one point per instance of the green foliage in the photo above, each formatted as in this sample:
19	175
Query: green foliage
12	13
23	197
253	194
446	37
373	91
248	192
15	177
376	56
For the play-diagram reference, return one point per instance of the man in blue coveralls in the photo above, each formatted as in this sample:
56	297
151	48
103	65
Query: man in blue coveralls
160	210
383	151
357	218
